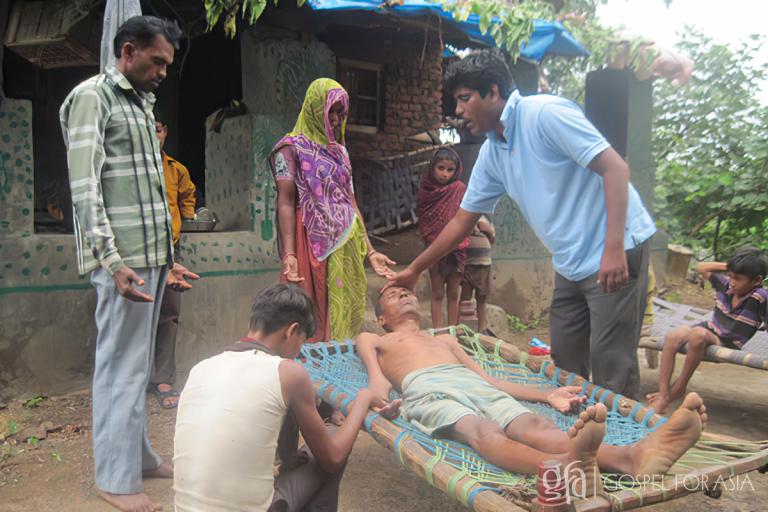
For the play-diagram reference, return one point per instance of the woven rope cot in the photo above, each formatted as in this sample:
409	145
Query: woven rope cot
461	473
668	315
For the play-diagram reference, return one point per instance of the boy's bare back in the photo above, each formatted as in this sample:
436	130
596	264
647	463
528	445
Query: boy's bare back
400	353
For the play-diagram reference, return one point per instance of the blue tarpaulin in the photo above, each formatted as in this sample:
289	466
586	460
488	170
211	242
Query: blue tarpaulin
547	37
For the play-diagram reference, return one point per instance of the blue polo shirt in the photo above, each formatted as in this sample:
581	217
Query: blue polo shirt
541	164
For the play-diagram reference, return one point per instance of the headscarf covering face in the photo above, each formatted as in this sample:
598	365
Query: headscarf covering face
324	176
438	203
314	120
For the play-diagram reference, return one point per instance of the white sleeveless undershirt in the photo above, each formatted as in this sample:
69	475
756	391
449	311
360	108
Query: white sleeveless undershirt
229	417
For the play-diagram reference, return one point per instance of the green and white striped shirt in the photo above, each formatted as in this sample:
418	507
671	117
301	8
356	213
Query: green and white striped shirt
116	175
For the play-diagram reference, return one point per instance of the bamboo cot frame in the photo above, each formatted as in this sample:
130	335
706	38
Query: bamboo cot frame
687	315
476	496
714	354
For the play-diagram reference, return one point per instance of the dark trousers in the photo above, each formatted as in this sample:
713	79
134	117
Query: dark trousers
164	369
597	331
302	485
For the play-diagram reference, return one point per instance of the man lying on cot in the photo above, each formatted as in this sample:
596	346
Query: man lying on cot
447	394
232	409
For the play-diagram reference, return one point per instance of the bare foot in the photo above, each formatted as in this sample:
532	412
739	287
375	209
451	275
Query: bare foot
586	436
658	402
130	502
167	396
164	470
655	454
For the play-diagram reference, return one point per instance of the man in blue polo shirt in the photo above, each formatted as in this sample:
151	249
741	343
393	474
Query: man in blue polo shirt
574	191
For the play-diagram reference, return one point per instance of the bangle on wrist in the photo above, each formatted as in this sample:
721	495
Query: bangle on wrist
289	254
372	251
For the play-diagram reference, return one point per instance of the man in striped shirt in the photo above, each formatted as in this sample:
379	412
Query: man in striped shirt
741	306
124	241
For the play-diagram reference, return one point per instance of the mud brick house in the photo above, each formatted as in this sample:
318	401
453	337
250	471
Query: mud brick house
390	59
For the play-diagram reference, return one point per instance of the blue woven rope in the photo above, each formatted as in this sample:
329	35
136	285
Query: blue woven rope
369	419
397	445
647	418
616	401
476	491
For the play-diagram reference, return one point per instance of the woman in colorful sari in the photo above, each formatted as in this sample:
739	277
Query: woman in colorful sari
322	238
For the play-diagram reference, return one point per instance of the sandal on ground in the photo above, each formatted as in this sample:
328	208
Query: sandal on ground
162	396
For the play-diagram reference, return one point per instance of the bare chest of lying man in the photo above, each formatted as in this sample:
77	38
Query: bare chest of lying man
401	353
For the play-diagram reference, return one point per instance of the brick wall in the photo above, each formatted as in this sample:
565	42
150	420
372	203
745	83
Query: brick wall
412	100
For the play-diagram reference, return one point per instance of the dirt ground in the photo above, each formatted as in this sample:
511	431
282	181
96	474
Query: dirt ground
56	473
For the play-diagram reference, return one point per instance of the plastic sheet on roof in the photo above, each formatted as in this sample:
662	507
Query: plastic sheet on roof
547	37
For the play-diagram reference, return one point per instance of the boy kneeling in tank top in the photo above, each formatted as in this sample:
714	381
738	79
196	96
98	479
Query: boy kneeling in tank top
231	413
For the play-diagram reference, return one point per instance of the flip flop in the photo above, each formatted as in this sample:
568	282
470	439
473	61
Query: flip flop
163	395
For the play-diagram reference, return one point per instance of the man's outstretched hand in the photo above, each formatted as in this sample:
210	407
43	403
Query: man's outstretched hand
126	281
566	399
404	279
177	278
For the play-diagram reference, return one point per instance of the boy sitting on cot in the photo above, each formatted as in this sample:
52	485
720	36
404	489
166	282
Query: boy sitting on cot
231	413
740	308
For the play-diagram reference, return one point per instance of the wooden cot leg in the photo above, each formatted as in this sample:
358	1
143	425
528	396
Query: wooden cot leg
713	490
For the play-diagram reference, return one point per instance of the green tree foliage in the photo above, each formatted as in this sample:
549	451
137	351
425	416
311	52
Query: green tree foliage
566	76
250	10
711	145
710	137
509	22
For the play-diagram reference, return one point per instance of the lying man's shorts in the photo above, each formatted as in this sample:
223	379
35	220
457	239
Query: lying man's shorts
435	398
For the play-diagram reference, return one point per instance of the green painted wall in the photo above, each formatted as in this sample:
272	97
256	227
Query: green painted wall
276	73
46	308
27	260
239	185
16	169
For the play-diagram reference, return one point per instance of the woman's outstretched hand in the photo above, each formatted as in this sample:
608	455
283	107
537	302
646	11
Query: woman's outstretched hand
291	269
380	264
